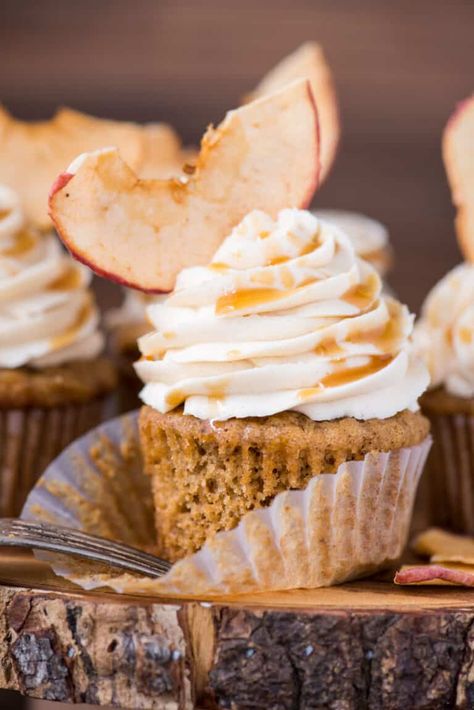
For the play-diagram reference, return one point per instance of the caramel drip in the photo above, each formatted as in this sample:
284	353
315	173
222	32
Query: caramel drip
352	374
376	255
219	266
304	252
287	278
65	339
250	297
309	392
24	242
4	214
68	281
247	298
346	376
362	295
328	348
215	392
386	337
175	398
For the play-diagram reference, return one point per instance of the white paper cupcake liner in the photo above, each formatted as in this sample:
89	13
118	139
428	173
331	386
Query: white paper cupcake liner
341	526
30	438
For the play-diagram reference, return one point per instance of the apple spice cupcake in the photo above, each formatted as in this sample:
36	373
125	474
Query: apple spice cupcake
444	337
281	390
278	364
53	387
369	238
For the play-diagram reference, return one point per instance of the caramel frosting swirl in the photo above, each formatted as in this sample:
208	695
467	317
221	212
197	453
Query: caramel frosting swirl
286	317
47	314
444	335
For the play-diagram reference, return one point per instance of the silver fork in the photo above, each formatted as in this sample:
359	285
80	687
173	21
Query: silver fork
56	538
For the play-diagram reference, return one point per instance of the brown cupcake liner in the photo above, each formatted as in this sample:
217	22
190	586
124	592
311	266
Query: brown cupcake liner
343	525
446	495
30	438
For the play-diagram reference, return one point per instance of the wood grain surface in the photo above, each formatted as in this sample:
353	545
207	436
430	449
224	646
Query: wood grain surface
400	68
367	644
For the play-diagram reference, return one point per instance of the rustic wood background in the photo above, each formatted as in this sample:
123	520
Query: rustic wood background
400	67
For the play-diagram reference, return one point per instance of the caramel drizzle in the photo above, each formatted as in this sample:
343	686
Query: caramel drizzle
215	392
65	339
347	376
362	295
24	242
466	336
68	281
251	297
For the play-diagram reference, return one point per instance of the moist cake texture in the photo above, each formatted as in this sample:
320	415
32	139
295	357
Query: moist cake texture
206	476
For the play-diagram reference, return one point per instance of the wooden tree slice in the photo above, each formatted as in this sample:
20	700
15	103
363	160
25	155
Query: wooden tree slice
362	645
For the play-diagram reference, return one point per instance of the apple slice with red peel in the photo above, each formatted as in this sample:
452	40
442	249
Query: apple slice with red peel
141	233
309	62
458	155
436	574
33	153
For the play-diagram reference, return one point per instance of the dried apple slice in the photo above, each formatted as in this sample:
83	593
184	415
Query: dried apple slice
309	62
164	156
458	155
33	153
143	232
448	573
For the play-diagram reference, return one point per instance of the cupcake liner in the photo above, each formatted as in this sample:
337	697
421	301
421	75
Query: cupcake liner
341	526
30	438
446	497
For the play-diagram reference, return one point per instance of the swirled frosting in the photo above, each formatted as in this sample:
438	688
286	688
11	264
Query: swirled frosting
444	335
369	237
286	317
47	314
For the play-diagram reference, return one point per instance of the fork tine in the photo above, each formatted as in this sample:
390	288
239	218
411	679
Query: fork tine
100	544
54	538
57	533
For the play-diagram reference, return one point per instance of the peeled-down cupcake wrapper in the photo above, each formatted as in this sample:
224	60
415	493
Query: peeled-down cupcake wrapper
341	526
30	438
446	497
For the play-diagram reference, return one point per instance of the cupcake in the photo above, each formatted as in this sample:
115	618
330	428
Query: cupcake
369	237
53	385
280	426
444	337
277	363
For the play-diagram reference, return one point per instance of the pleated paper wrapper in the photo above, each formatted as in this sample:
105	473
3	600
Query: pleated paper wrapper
446	496
30	438
343	525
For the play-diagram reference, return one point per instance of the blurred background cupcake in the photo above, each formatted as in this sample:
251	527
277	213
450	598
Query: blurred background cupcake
54	385
444	336
369	238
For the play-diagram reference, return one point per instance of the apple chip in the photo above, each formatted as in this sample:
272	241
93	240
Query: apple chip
309	62
442	546
33	153
449	573
143	232
164	156
458	155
